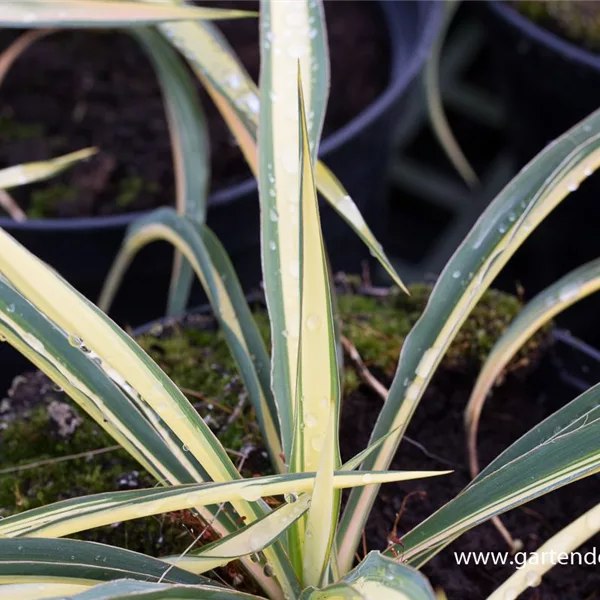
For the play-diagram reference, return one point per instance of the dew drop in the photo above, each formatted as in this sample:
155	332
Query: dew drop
310	420
588	171
317	443
273	215
294	269
573	186
2	337
56	387
272	245
367	478
512	217
75	341
533	579
255	558
291	497
10	308
185	448
313	322
587	128
502	229
510	594
268	570
456	274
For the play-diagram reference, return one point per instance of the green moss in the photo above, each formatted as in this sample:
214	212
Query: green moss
44	202
576	19
13	131
198	360
130	188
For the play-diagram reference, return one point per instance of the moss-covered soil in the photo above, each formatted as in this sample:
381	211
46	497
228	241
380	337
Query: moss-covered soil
39	423
577	20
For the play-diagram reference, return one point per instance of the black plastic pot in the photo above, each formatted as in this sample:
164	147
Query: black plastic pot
82	250
549	84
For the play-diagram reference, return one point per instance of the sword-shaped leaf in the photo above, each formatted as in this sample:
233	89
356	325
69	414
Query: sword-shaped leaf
78	514
101	13
286	46
37	171
72	561
316	445
125	590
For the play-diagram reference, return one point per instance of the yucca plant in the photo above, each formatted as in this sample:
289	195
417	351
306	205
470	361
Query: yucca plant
305	547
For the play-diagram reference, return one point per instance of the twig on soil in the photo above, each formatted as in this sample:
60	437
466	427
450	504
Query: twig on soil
382	392
9	204
52	461
362	369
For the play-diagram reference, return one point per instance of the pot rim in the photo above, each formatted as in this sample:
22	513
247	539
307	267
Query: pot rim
544	36
401	75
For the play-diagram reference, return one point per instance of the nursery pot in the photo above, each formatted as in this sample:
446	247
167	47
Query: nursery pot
82	250
549	84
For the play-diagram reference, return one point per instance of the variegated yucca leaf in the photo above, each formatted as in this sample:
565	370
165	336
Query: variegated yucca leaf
79	514
568	290
38	171
125	589
236	96
29	560
286	46
248	540
189	144
562	543
209	260
377	576
316	444
501	229
42	591
101	13
435	107
561	449
130	369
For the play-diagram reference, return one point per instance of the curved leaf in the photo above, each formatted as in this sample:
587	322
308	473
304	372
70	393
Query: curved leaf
101	13
129	368
502	228
37	171
435	107
190	147
236	96
210	262
568	290
561	544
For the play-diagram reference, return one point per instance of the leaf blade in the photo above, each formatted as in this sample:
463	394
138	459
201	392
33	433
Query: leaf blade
101	13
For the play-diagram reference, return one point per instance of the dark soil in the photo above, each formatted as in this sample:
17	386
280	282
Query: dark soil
76	89
514	408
